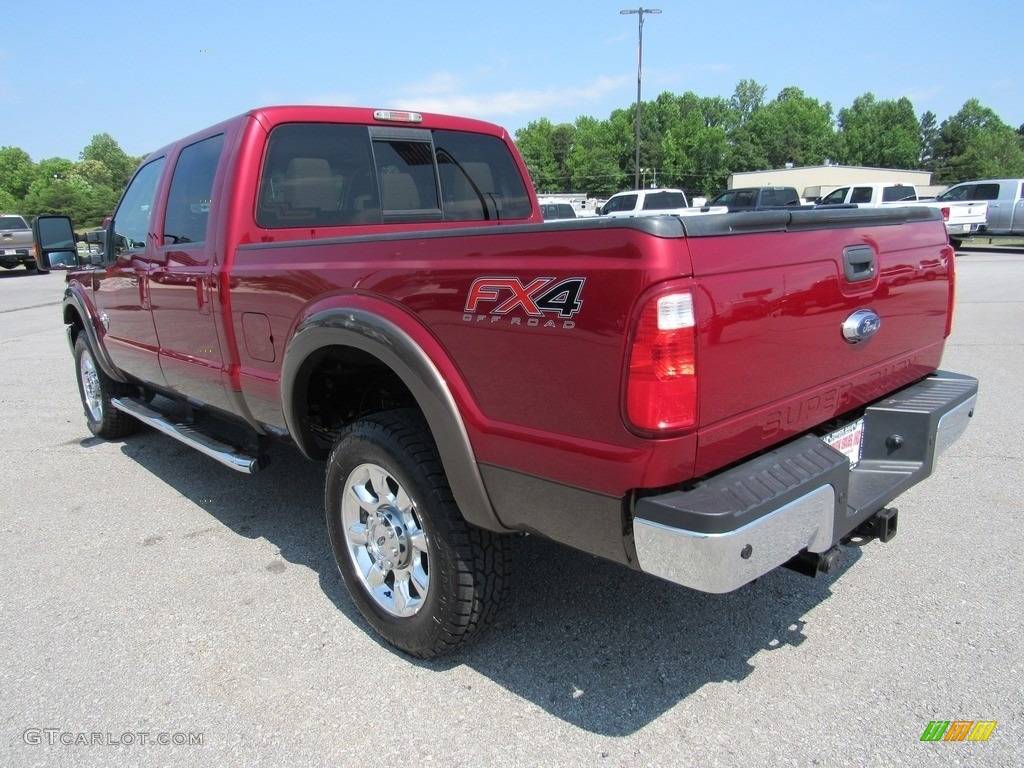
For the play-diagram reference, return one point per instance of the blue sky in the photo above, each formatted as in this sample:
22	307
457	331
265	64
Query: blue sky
149	72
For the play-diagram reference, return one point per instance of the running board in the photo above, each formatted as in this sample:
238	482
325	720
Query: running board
193	436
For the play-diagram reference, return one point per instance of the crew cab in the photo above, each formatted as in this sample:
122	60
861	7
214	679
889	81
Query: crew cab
646	202
16	246
961	217
1004	199
701	398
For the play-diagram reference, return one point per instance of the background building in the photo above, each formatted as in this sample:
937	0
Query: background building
818	180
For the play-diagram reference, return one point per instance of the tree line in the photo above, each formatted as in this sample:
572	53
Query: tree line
695	143
86	190
687	141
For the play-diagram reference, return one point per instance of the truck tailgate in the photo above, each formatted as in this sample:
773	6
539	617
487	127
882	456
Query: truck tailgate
772	299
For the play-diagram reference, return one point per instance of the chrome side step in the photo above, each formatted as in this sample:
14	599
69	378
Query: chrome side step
192	436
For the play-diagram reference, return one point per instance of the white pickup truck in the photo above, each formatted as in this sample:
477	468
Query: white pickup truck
963	217
653	202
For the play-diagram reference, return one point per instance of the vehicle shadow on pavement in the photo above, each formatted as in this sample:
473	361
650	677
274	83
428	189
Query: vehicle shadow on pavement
609	649
600	646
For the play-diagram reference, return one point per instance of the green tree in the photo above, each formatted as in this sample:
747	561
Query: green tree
594	160
956	134
104	149
746	100
696	150
880	134
793	128
992	154
545	149
535	145
8	203
17	171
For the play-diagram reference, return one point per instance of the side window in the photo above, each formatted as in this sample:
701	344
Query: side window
318	174
479	179
986	192
191	193
745	199
405	172
835	196
624	203
962	192
861	195
131	221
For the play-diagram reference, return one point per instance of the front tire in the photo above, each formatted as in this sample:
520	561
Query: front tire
96	390
423	578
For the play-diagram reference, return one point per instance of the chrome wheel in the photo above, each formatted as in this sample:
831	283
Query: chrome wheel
92	390
384	540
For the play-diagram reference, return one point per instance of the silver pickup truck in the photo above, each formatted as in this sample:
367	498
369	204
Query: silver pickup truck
1005	199
16	246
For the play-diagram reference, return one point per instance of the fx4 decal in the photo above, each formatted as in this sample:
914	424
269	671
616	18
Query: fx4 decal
536	298
491	299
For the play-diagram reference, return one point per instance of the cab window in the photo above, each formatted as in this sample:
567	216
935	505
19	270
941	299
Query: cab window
191	193
131	221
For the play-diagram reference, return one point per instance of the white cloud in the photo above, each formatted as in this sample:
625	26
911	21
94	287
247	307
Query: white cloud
444	93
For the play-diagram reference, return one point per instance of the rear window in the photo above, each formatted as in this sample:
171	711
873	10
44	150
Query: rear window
895	194
9	223
780	197
660	201
330	174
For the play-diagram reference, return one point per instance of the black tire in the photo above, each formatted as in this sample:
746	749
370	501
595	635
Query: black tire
957	243
423	578
96	389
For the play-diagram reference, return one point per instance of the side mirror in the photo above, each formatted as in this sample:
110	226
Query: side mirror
54	242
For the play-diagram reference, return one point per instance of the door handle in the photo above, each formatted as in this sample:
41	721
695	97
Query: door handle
859	263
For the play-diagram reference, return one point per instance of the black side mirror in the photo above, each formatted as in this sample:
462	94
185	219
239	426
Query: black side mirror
55	243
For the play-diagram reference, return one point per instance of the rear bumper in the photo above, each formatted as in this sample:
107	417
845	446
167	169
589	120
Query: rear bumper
748	520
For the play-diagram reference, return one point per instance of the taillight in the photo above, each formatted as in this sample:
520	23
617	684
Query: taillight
945	213
661	388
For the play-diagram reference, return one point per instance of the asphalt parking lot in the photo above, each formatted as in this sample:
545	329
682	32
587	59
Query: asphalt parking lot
150	595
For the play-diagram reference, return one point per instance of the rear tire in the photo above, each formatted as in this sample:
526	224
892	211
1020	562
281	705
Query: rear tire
424	579
96	390
957	243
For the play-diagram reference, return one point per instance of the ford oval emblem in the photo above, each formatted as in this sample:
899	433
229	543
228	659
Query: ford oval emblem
861	326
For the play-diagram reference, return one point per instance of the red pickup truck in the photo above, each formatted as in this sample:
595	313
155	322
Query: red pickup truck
700	398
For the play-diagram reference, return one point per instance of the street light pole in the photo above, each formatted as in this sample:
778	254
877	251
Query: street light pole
639	76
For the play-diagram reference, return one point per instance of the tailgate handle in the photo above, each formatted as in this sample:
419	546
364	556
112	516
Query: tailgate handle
859	263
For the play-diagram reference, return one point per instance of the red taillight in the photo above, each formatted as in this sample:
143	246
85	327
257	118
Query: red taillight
661	389
945	213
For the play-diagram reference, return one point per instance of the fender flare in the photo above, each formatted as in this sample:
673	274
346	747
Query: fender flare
75	302
395	348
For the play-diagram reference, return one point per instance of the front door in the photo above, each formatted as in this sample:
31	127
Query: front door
122	284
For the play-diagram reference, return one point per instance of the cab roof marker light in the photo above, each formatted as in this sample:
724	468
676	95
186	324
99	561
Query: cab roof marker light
675	312
396	116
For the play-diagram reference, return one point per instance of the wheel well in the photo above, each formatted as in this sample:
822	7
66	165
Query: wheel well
338	385
72	318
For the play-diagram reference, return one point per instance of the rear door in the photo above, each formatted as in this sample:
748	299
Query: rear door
182	280
1017	217
999	196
